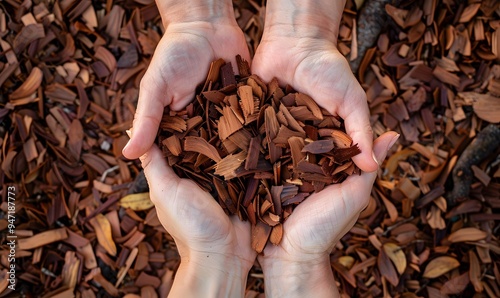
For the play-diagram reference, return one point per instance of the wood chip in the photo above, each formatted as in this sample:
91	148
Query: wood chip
249	134
260	234
42	239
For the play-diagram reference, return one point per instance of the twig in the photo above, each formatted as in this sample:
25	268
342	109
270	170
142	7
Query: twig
486	142
372	18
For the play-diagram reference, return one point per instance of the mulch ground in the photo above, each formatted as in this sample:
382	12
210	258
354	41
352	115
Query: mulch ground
69	77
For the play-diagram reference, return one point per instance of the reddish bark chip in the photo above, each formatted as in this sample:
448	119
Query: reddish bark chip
254	145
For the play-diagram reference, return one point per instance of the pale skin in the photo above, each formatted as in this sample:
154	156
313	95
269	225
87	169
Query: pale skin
299	48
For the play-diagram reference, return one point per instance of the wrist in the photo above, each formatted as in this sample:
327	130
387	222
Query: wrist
210	275
211	11
318	19
311	278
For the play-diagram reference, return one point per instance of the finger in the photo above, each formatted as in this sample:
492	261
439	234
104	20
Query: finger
161	178
356	190
356	117
335	207
147	118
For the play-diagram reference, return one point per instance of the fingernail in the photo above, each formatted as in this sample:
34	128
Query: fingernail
375	158
126	146
129	134
393	141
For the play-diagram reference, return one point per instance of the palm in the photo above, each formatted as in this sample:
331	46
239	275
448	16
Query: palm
314	66
179	65
318	69
182	58
318	223
195	219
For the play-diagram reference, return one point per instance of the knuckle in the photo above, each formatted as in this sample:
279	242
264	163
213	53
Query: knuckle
368	128
145	160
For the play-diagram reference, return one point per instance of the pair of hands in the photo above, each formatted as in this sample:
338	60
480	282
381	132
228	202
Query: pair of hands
215	250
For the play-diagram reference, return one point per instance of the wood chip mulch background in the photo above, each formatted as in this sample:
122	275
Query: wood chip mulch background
69	77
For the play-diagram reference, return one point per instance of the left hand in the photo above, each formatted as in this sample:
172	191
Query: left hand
196	33
215	249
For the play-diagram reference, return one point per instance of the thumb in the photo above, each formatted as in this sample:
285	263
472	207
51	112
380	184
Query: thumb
380	148
161	178
383	144
153	98
357	188
356	117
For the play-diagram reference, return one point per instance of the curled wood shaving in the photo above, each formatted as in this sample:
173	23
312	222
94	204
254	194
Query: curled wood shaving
200	145
29	86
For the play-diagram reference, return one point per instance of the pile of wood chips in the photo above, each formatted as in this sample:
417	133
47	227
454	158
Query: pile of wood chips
258	148
69	77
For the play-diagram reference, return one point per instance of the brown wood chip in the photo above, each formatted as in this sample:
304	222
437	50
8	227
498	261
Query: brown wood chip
253	136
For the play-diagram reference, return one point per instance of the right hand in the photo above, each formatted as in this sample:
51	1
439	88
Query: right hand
180	62
300	265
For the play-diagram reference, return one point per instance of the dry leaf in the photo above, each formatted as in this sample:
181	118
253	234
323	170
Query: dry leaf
456	285
137	202
102	229
397	256
391	209
387	268
440	266
346	261
475	272
467	234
